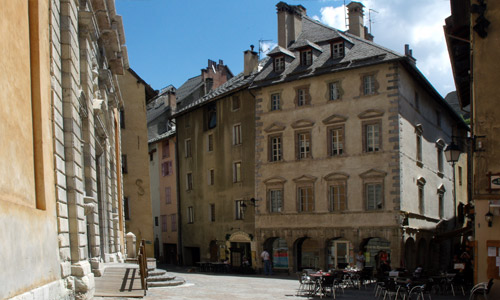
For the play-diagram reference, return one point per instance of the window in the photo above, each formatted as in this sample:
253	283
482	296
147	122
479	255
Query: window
421	200
369	85
211	177
279	63
338	49
419	148
337	197
168	195
237	171
189	181
188	147
372	137
126	208
303	145
124	164
336	141
440	159
210	116
275	152
441	204
122	119
212	213
459	175
374	198
303	97
275	200
275	102
163	223
421	195
305	198
210	142
173	222
334	88
237	134
190	215
235	103
156	221
238	210
306	57
165	149
164	169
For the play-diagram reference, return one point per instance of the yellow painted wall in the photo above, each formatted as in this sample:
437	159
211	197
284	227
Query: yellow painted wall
27	204
135	147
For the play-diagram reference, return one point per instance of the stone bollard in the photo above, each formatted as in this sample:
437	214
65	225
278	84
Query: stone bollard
131	248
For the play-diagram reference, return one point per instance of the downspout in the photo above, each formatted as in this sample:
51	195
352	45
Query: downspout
180	260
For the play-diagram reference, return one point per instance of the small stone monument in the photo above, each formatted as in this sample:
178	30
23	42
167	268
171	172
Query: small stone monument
131	247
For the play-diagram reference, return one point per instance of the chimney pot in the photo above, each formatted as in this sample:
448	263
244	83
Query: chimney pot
356	24
251	61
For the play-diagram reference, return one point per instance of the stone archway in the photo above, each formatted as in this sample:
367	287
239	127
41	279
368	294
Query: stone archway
422	259
410	254
375	250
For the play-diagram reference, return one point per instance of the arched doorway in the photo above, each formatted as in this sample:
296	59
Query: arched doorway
339	253
278	249
434	253
307	251
410	254
375	250
240	249
422	253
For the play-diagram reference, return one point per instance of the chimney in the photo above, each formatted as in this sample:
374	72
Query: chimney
169	99
289	23
251	61
356	14
409	54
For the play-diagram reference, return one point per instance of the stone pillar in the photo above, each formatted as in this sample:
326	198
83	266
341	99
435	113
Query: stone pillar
131	250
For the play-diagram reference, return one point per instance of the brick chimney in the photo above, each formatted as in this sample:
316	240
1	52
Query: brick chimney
251	61
356	14
289	22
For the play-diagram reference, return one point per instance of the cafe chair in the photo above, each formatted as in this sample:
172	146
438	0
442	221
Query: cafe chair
306	284
482	288
391	289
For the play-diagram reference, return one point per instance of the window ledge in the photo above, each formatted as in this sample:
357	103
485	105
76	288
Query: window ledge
420	164
440	174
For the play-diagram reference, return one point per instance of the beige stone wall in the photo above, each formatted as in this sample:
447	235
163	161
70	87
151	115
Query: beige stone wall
135	148
352	111
485	109
27	216
169	181
224	192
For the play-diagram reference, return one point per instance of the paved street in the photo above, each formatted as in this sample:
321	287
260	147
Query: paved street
215	286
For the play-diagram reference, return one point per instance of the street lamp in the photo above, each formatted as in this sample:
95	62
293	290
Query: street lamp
452	152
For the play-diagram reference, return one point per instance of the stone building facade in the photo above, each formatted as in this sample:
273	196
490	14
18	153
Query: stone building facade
215	135
135	159
472	36
163	169
62	95
349	150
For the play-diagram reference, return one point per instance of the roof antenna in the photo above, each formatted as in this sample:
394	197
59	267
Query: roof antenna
370	18
260	46
345	17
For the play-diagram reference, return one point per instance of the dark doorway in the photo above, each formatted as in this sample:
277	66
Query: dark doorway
170	254
192	255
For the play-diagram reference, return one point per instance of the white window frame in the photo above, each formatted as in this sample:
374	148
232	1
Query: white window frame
305	200
338	49
275	200
337	140
237	134
375	191
301	97
337	191
275	148
369	85
239	214
372	137
275	101
237	171
304	145
279	63
190	215
334	90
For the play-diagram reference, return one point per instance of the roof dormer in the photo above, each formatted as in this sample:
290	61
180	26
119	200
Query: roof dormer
280	57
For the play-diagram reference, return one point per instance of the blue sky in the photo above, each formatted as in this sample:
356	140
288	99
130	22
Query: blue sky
169	41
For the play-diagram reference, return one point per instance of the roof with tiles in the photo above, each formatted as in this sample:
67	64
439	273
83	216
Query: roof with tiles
232	85
358	52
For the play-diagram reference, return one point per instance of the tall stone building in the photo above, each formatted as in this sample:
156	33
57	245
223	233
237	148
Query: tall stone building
472	36
163	169
349	150
60	182
135	159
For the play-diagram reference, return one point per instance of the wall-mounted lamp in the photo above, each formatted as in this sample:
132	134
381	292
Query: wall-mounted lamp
489	218
452	152
252	202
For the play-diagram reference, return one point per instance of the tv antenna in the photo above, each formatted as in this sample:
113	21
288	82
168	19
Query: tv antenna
261	50
370	18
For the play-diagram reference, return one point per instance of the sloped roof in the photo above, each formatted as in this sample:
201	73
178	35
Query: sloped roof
232	85
187	87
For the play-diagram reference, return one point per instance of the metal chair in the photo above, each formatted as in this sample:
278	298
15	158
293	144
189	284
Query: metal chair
306	284
391	289
482	288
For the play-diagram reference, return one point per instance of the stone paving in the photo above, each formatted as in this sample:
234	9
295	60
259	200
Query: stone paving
230	286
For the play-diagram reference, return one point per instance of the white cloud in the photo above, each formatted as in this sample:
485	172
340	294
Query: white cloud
418	23
265	46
